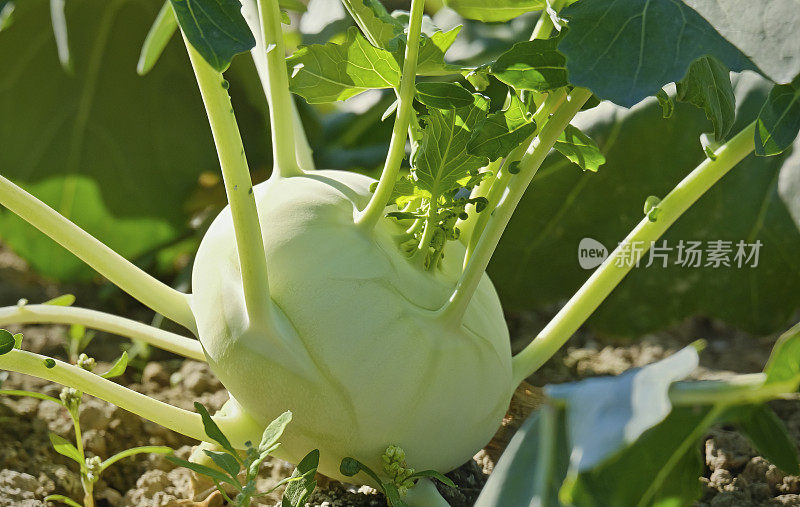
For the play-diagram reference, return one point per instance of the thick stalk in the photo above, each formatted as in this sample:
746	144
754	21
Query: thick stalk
53	314
552	102
370	215
606	277
160	297
238	187
237	427
303	153
453	310
281	111
741	389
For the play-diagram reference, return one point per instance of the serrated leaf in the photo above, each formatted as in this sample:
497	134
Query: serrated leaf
769	436
580	149
274	431
442	158
215	28
779	119
63	300
7	342
65	448
532	65
225	461
298	491
212	430
212	473
118	368
443	95
707	85
639	46
784	361
330	72
380	26
494	11
502	131
157	38
430	61
606	414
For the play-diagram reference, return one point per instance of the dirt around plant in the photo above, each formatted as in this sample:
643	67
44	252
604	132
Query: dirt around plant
29	469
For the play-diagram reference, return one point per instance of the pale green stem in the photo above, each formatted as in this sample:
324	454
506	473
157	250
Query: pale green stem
453	310
160	297
499	185
626	255
303	153
370	215
54	314
741	389
238	187
419	256
239	428
281	113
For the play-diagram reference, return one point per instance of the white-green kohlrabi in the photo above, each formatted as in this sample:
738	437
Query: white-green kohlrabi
357	351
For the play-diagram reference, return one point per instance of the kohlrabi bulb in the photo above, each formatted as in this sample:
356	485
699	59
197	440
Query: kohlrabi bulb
355	350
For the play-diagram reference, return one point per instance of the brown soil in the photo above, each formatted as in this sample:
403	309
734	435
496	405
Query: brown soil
30	469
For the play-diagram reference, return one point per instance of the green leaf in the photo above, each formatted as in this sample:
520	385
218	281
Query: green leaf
660	468
7	342
443	95
330	72
65	448
59	21
158	37
496	10
212	473
784	362
298	491
392	495
63	300
63	499
225	461
580	149
707	85
433	474
502	131
293	5
646	155
442	158
274	431
430	61
215	28
212	430
118	368
769	436
155	150
30	394
666	103
639	46
607	414
779	119
533	465
532	65
381	26
764	31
